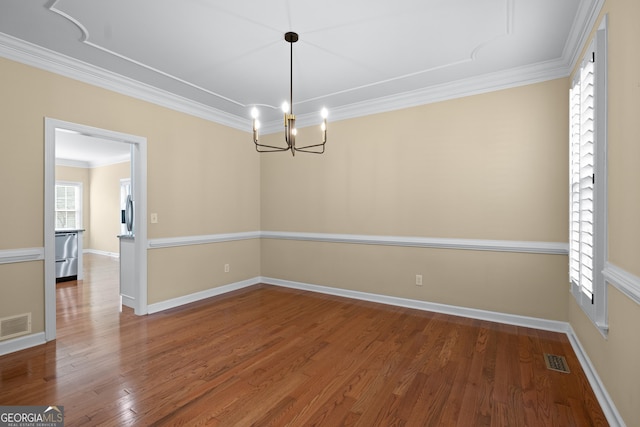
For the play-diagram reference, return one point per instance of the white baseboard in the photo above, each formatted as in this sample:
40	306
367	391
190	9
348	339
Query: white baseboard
492	316
98	252
177	302
128	301
610	411
21	343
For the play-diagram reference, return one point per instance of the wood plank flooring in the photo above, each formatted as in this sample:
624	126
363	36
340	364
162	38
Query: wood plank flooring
269	356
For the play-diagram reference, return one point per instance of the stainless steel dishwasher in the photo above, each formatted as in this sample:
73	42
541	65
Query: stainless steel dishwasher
66	256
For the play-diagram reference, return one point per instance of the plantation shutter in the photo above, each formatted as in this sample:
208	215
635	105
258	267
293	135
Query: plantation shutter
582	178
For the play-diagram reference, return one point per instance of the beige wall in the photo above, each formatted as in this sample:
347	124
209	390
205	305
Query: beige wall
74	174
480	167
198	268
105	206
101	202
203	178
22	291
491	166
515	283
616	357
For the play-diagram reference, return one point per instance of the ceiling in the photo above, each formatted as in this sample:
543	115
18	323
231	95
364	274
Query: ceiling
79	150
216	59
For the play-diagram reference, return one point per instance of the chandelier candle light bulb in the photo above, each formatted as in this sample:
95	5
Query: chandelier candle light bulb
290	130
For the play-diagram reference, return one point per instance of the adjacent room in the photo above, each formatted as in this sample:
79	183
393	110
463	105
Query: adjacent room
445	234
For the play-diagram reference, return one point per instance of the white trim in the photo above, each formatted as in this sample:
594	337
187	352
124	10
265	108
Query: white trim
36	56
8	256
139	178
202	239
212	292
491	316
594	305
45	59
21	343
553	248
581	30
103	253
556	248
606	403
90	165
622	280
501	80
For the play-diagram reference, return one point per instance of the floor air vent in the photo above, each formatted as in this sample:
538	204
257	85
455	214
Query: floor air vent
556	363
14	326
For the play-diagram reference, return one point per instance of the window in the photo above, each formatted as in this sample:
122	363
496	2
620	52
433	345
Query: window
68	205
588	181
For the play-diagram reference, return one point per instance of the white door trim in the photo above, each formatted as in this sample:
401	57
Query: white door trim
139	167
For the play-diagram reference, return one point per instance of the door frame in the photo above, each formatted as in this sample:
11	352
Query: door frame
139	179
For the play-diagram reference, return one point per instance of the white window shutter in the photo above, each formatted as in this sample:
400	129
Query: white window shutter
588	181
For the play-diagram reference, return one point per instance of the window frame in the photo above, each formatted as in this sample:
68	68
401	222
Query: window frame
79	201
595	307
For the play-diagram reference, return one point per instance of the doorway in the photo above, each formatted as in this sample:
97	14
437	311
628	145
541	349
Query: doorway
139	185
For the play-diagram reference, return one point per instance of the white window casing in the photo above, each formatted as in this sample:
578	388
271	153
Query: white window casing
68	205
588	181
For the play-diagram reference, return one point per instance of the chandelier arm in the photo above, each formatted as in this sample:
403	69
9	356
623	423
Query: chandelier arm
269	148
311	146
309	149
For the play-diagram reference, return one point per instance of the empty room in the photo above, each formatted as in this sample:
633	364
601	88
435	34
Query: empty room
331	213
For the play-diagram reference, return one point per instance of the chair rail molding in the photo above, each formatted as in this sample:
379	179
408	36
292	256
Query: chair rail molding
622	280
8	256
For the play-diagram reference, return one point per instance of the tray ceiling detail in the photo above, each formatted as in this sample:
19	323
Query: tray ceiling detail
218	59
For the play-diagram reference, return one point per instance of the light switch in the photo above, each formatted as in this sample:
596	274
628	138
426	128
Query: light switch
154	218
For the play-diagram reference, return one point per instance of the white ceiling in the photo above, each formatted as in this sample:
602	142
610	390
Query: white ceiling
78	150
217	59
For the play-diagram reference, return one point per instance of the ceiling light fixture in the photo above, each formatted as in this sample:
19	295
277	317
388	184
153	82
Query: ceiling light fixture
290	130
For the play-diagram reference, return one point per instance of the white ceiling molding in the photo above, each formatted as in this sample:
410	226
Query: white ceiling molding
91	164
43	58
579	35
73	163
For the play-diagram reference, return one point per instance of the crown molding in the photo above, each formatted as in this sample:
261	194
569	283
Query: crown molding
507	79
584	23
90	165
36	56
45	59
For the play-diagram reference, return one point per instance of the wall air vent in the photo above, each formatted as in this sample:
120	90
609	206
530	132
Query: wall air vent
556	363
14	326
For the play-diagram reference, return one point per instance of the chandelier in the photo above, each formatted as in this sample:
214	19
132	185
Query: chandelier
290	130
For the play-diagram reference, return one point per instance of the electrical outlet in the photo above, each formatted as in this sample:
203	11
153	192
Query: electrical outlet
418	279
226	268
154	218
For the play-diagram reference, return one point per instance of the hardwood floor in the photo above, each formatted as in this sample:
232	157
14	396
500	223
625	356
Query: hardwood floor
272	356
